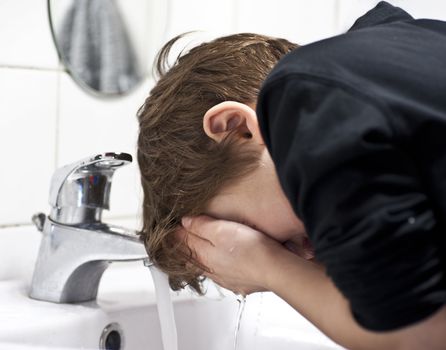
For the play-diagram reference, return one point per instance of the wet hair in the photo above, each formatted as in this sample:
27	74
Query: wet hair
181	168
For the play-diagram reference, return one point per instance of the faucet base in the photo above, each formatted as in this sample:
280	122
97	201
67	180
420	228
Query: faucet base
72	259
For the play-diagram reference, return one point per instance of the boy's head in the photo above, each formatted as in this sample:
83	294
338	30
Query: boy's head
198	137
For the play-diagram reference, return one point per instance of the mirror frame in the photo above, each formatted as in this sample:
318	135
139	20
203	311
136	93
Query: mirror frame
85	87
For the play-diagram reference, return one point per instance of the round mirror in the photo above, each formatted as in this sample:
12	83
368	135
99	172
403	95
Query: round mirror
107	46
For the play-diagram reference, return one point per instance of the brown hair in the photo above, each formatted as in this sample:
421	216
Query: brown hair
181	168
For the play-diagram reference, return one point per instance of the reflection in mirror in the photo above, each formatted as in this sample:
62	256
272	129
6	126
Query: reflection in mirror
103	43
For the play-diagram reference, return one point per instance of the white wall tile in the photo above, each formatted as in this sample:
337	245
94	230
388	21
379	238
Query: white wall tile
25	36
301	21
435	9
90	125
206	19
146	22
213	16
27	141
350	10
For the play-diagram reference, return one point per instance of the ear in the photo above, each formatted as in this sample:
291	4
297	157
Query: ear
223	118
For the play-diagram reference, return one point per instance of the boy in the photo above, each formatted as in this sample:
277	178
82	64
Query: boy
352	126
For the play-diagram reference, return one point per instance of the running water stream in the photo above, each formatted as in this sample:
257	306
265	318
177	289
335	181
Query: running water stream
165	309
166	314
241	306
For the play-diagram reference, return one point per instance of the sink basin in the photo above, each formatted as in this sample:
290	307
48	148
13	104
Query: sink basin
126	299
27	321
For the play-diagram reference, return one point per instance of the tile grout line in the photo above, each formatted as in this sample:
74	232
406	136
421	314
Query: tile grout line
44	69
16	224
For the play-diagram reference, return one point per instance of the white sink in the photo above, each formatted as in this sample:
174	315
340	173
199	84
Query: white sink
126	297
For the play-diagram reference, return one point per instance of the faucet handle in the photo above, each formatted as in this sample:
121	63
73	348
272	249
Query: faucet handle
81	190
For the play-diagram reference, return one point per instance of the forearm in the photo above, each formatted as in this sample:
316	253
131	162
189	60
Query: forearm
305	286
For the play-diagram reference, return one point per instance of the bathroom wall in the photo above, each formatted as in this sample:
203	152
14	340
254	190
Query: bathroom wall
46	120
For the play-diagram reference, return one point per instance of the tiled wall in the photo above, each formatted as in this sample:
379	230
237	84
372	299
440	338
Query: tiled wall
46	120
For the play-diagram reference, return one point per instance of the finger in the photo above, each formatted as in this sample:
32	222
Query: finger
182	235
197	243
200	248
203	226
300	246
188	246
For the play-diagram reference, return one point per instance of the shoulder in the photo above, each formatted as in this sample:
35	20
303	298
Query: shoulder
378	40
353	53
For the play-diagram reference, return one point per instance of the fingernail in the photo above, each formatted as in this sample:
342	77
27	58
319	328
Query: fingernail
186	221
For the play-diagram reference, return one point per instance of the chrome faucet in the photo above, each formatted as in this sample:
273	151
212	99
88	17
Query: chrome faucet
76	245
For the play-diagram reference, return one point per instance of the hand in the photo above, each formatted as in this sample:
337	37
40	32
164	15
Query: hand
301	246
237	257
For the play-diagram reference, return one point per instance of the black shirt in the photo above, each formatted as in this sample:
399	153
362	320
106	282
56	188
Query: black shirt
356	127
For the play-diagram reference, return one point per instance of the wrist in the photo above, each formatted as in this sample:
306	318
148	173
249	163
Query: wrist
276	265
285	266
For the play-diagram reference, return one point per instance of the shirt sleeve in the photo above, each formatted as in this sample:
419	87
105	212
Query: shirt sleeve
359	196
